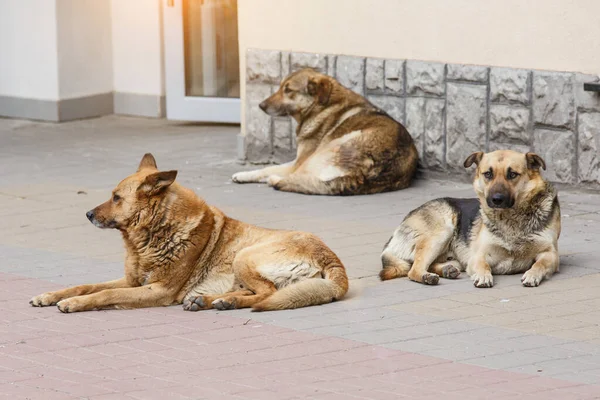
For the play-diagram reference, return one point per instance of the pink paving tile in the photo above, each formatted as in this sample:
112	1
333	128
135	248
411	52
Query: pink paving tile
131	385
109	397
9	376
111	349
79	390
116	374
73	376
16	363
265	395
167	393
142	345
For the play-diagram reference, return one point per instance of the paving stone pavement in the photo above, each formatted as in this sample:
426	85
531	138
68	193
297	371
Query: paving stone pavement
392	340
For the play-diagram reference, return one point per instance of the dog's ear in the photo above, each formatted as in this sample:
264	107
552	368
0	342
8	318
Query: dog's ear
321	88
157	181
148	161
473	158
534	162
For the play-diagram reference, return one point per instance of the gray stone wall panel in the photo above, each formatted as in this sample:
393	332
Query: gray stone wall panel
283	149
509	124
589	147
466	122
350	72
374	75
424	78
589	101
469	73
554	99
263	66
258	124
308	60
392	105
425	123
509	85
557	148
394	77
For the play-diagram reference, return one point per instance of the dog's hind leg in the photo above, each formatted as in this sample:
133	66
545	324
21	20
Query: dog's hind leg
205	302
427	251
447	269
257	287
393	267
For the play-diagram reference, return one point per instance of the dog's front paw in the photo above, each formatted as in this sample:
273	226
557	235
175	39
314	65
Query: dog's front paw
70	305
274	181
244	177
45	300
531	279
484	280
194	304
431	279
222	304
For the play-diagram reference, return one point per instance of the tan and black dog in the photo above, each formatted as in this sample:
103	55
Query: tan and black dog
179	249
512	227
346	145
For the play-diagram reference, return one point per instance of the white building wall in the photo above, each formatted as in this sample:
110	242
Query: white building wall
28	50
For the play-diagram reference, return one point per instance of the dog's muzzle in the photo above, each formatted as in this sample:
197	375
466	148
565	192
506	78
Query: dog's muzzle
91	215
499	200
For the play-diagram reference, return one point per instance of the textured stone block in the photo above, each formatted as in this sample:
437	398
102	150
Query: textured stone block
285	64
374	75
553	99
308	60
258	124
466	122
509	124
589	147
394	77
392	105
470	73
331	61
521	148
509	85
558	150
263	66
424	78
425	123
283	148
350	72
589	101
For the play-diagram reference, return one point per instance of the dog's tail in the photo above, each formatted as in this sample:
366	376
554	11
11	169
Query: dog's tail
309	292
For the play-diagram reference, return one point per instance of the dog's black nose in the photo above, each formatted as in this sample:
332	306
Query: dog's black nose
498	199
263	106
90	215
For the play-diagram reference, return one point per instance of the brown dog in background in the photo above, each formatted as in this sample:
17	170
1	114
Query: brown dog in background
346	145
512	227
179	249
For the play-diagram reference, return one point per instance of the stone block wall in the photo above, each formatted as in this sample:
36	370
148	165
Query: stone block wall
451	110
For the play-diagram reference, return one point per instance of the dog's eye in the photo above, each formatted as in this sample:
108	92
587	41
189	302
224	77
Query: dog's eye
488	174
287	89
511	175
116	198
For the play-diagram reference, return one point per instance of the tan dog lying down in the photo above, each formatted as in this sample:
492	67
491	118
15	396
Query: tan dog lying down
511	227
346	145
179	249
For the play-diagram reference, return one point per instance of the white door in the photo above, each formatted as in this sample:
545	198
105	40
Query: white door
202	74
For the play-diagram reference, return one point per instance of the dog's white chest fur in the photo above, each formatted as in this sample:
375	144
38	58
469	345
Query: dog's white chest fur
286	274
